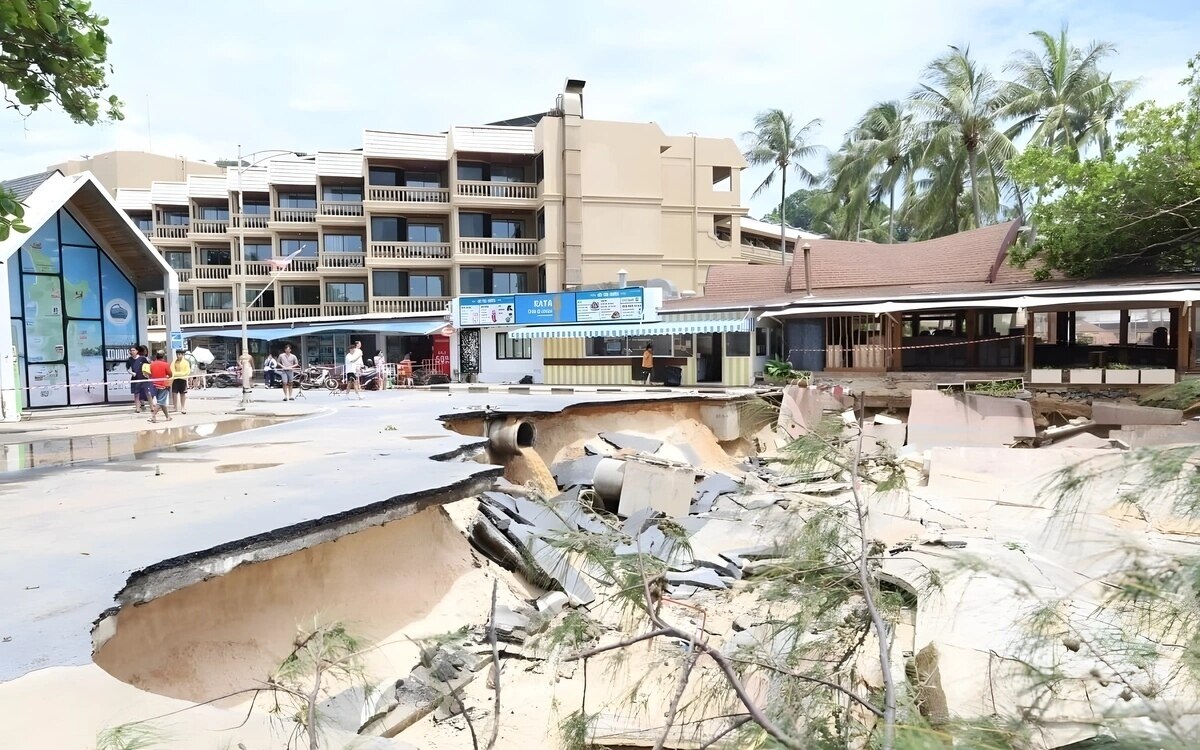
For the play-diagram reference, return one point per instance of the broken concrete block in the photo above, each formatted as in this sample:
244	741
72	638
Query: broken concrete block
884	434
800	411
632	441
665	488
575	472
967	420
723	420
493	543
706	578
712	487
412	700
1108	413
598	447
551	603
510	625
885	419
1141	436
552	563
541	517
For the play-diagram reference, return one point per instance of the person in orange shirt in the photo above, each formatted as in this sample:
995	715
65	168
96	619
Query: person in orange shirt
648	361
158	373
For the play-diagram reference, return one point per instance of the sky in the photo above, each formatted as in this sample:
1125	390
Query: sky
198	79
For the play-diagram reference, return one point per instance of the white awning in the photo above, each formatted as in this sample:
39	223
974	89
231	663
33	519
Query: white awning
662	328
1020	303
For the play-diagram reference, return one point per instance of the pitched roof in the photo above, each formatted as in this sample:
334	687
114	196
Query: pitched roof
23	187
972	256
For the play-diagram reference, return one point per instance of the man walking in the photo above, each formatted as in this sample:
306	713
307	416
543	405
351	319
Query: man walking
648	361
158	375
288	367
354	363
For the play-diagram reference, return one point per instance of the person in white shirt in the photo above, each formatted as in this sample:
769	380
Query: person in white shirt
354	363
270	368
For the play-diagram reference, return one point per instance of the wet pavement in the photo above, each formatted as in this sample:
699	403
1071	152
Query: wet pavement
89	521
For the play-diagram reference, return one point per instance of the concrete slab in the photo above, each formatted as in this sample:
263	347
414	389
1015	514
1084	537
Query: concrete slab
1142	436
800	411
1108	413
576	472
650	485
710	488
68	554
632	441
967	420
892	435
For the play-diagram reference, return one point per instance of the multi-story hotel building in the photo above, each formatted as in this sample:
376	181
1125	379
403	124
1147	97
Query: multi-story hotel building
395	229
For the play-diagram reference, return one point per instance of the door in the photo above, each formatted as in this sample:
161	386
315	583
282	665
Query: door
709	355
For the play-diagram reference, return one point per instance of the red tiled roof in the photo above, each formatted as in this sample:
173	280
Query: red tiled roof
963	257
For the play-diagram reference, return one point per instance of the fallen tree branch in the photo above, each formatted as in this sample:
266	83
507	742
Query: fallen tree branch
725	732
815	680
620	644
496	667
673	707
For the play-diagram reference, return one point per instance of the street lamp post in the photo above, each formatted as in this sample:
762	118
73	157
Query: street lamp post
245	361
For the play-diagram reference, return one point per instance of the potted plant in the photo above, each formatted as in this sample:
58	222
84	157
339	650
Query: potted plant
1120	374
778	371
1157	376
1046	374
1086	375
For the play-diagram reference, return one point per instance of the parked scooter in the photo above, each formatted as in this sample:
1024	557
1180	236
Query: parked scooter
314	376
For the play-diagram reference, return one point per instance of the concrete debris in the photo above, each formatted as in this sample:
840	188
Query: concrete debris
1085	440
632	441
723	420
510	625
799	412
886	419
551	603
967	420
577	472
1108	413
705	578
598	447
1142	436
712	487
658	485
876	436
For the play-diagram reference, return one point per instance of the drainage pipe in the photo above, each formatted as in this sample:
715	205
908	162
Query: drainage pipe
508	438
607	480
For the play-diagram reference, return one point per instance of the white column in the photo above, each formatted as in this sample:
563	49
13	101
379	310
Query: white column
10	381
171	317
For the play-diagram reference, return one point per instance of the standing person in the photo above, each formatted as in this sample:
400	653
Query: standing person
648	361
246	367
354	361
158	377
181	370
379	363
288	367
271	371
137	358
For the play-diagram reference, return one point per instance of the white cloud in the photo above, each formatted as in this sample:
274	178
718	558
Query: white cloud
289	73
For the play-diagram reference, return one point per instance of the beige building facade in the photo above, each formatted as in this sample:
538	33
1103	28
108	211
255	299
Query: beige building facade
135	169
407	221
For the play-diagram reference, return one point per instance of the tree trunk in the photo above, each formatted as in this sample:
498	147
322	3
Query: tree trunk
973	169
892	216
782	217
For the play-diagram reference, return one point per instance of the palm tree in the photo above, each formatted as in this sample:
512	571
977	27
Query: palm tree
1056	91
1105	100
962	109
886	139
776	142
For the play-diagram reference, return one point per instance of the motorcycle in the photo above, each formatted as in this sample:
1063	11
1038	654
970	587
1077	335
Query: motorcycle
316	377
367	379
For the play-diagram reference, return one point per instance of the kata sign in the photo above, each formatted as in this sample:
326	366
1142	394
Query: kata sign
598	306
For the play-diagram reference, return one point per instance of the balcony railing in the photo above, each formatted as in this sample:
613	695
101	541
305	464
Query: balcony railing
752	252
211	272
157	320
298	311
340	208
209	226
262	268
171	231
497	247
409	304
410	251
214	316
403	194
259	314
344	308
342	260
294	215
184	274
502	190
251	221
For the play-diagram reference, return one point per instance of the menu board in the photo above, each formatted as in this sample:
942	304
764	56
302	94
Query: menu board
608	305
487	311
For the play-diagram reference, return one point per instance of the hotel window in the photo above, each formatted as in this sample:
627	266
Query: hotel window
216	256
426	285
297	200
186	303
388	229
306	248
425	233
472	171
212	213
346	291
257	251
737	345
179	261
384	176
474	225
217	300
510	348
422	179
144	223
474	281
507	282
508	229
301	295
256	208
507	174
404	284
174	218
343	193
343	243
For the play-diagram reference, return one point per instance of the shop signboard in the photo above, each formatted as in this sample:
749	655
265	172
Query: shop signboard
597	306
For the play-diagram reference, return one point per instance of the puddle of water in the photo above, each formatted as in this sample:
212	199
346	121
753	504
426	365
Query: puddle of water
227	468
58	452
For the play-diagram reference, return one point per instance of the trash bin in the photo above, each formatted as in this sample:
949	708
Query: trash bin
672	375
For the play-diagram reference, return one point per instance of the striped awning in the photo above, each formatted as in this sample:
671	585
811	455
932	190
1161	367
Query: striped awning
661	328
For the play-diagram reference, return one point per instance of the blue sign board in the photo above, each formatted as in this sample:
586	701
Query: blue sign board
597	306
176	342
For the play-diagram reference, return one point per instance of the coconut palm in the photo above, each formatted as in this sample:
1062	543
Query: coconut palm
1056	91
776	142
1103	104
962	110
886	138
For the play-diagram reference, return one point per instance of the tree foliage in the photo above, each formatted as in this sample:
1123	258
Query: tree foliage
1136	214
797	211
53	51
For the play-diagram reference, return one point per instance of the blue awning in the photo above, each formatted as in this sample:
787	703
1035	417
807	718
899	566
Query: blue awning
662	328
409	327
